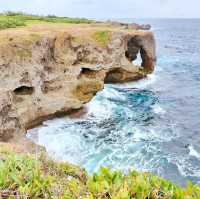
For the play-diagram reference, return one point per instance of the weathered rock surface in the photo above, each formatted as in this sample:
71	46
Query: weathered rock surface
133	26
48	72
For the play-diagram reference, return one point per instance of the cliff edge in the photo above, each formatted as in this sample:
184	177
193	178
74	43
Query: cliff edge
50	70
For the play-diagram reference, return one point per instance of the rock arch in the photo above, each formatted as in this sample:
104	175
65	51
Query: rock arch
137	45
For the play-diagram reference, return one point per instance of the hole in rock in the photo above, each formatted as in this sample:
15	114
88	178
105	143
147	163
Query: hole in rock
133	52
87	72
138	60
24	90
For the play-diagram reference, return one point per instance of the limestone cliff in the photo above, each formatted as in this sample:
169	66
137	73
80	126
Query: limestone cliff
47	71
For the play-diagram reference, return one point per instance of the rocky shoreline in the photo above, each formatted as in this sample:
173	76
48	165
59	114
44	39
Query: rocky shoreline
48	71
133	26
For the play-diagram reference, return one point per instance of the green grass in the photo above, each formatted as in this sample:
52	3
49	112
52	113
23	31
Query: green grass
102	37
8	22
12	20
23	176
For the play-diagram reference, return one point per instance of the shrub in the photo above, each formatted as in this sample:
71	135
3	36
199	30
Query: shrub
23	176
20	175
10	13
8	22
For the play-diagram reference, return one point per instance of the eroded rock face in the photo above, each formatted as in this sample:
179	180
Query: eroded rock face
52	74
146	47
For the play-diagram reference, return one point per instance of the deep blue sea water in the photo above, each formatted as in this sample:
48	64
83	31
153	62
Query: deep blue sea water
149	125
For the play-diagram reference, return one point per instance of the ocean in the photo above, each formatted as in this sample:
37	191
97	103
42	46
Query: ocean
150	125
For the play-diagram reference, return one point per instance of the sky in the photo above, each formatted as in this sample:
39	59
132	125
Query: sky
107	9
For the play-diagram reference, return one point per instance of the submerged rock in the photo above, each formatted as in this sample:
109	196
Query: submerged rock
48	71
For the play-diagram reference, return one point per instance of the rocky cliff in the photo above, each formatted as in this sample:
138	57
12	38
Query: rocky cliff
46	71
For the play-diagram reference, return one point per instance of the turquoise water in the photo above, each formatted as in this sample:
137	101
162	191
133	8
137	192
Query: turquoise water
149	125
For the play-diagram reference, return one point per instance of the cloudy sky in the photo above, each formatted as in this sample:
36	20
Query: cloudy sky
107	8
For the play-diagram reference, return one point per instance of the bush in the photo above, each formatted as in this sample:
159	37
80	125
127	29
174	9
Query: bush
10	13
65	20
136	185
11	23
51	16
25	177
22	176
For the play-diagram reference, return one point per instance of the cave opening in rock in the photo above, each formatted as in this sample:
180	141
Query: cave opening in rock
86	71
133	52
24	90
137	54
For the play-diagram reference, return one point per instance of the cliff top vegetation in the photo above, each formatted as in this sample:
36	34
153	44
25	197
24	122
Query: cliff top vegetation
17	27
26	176
16	19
